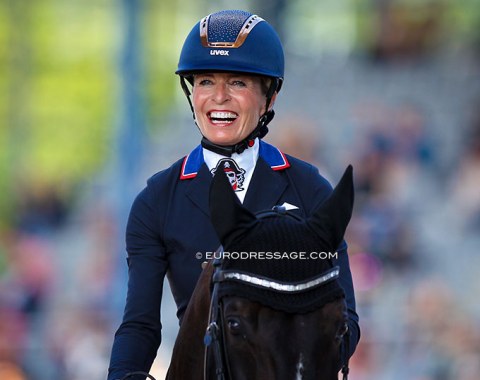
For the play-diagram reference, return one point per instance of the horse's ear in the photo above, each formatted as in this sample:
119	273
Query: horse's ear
229	218
331	218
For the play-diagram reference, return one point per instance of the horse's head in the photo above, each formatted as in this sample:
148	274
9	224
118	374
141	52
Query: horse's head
280	310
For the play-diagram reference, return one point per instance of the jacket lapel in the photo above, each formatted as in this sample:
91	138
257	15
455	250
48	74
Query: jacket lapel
264	191
199	188
266	187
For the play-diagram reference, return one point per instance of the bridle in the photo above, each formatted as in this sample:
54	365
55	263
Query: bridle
344	347
215	335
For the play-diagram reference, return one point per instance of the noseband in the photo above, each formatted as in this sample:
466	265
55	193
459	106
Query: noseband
215	334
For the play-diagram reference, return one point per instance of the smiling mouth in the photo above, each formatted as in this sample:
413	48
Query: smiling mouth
217	117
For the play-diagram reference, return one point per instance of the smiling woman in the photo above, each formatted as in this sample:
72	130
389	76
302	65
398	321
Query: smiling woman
228	106
231	95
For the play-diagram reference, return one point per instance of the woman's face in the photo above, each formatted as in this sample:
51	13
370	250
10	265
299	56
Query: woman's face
227	105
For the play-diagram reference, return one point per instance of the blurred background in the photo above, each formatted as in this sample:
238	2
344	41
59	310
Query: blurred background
90	108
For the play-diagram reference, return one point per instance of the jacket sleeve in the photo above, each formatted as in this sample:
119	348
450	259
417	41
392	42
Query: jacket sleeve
347	285
139	335
320	190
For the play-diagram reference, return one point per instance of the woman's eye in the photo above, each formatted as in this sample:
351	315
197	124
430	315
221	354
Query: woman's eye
239	83
201	81
204	82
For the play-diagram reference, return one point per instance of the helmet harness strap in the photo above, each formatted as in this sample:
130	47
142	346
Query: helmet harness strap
259	132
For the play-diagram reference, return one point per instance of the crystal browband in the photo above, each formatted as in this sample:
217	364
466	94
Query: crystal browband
268	283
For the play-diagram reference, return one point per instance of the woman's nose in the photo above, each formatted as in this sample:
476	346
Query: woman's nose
221	93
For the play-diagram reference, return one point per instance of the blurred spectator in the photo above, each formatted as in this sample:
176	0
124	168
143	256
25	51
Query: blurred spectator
465	182
443	340
302	138
390	155
41	208
13	330
95	268
411	139
404	30
80	343
10	371
26	284
25	287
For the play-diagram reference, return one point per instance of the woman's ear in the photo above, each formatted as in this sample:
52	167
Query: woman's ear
272	101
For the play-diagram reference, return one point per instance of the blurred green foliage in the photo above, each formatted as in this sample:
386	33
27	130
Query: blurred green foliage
58	69
59	81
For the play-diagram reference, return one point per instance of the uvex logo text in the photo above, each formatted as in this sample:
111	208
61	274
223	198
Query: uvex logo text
219	52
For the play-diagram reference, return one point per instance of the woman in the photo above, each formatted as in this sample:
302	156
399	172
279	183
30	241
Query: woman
231	68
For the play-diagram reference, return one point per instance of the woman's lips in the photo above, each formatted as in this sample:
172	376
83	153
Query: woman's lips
222	117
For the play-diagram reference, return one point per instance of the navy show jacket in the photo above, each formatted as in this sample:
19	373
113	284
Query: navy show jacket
169	227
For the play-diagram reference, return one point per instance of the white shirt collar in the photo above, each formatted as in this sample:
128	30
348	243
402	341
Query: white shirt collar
241	169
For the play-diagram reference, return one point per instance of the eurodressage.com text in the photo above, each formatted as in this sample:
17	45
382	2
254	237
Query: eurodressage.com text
272	255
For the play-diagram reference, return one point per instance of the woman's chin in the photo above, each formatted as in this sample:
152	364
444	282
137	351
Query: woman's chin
223	141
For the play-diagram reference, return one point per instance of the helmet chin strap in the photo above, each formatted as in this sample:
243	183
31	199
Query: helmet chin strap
259	132
227	150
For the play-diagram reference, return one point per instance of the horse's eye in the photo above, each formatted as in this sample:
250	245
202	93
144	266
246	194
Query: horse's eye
233	325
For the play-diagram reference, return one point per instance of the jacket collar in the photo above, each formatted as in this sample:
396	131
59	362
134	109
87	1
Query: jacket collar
270	154
265	189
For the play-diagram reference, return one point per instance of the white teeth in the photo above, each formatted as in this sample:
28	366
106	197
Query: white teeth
223	115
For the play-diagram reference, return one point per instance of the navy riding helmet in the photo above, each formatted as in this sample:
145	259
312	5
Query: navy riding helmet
234	41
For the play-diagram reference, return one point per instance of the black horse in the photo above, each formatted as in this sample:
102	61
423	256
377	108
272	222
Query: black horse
269	306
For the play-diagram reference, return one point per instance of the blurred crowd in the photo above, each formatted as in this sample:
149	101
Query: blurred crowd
413	240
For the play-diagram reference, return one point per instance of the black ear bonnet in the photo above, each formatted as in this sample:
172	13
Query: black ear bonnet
280	247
